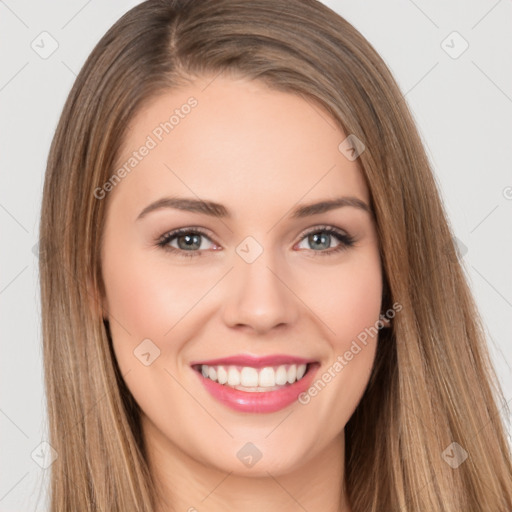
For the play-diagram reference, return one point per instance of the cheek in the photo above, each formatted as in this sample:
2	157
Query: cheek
359	301
351	312
149	301
346	299
147	298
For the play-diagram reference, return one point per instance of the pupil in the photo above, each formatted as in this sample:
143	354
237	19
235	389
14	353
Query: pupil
323	239
191	241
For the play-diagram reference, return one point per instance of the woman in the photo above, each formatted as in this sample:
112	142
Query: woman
251	298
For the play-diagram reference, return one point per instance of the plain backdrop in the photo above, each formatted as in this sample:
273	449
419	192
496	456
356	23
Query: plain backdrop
452	60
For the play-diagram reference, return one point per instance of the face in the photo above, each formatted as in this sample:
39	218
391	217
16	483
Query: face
255	275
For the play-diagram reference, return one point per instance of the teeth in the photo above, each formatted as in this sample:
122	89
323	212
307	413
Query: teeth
267	377
222	375
292	374
254	379
281	376
233	376
249	377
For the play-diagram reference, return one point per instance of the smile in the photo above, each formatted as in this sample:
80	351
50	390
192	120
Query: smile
260	387
253	379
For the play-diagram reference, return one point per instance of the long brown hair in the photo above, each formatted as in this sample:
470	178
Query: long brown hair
432	383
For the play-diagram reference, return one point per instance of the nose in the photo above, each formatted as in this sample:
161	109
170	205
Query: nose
258	297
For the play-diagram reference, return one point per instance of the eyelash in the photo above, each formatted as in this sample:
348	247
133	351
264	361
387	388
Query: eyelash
346	241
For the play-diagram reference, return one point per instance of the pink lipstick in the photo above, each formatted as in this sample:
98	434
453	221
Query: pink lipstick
241	382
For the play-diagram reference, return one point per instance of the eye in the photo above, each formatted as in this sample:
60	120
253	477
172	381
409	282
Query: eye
321	237
188	242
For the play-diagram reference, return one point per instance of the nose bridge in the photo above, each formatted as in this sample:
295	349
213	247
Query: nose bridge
258	296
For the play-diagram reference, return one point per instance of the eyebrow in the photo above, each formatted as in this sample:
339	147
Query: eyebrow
220	211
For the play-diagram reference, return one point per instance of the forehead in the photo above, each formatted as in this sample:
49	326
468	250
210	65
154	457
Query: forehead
235	141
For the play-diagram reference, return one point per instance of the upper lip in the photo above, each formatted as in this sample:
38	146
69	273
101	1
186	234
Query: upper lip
254	361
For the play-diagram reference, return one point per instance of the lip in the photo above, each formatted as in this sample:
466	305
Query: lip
256	402
254	361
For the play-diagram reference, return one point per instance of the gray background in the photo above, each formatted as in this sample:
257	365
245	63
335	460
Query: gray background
462	105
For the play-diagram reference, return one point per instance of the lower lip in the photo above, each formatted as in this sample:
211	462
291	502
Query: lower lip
259	402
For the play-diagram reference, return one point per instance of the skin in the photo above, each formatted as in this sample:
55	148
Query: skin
260	153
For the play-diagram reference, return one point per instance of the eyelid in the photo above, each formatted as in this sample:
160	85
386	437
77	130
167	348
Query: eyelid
207	233
173	233
345	240
321	227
